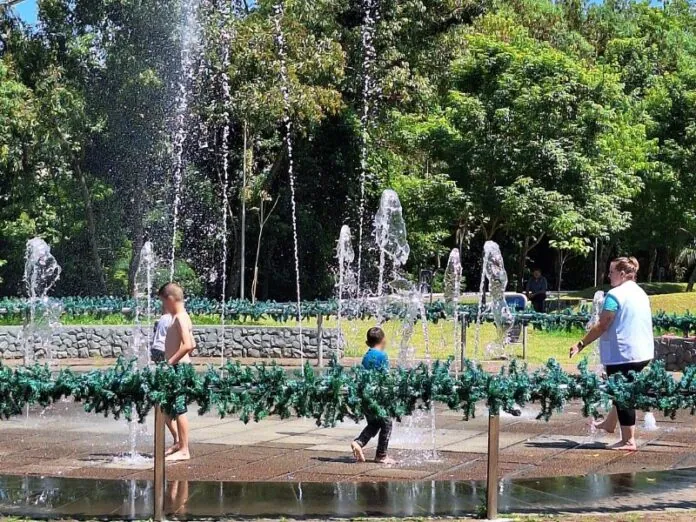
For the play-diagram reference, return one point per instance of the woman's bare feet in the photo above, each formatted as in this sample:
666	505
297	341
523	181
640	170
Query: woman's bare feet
385	460
623	445
357	451
172	449
178	455
609	428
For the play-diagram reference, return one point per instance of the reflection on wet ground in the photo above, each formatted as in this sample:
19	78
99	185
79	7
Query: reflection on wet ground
132	499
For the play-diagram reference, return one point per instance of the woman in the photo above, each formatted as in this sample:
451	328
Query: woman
626	341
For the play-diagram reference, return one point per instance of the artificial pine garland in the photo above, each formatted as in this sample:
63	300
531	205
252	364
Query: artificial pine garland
255	392
242	310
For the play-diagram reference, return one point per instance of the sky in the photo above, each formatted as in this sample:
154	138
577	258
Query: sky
27	11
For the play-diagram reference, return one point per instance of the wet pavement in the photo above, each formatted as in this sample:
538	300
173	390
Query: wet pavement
133	499
64	441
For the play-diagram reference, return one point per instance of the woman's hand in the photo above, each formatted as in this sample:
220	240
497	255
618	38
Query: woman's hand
575	349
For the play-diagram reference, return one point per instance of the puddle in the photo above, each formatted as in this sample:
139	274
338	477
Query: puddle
130	499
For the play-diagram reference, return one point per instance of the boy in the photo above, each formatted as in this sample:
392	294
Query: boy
178	345
375	359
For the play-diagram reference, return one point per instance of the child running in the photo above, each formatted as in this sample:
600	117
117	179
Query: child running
178	345
375	359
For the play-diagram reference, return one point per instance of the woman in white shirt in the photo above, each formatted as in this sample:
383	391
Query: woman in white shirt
626	340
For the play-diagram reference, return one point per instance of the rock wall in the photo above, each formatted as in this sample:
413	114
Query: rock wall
677	352
111	341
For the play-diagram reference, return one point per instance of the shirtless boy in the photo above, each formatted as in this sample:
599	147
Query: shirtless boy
178	345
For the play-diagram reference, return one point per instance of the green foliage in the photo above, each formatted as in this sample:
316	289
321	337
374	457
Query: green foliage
256	392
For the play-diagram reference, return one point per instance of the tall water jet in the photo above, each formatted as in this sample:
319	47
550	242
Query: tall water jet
494	272
190	38
225	152
141	340
346	278
597	307
367	34
391	239
287	121
452	293
41	272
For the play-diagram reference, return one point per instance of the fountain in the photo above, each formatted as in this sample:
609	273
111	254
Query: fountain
41	272
597	307
190	36
287	122
452	293
367	34
346	285
494	272
225	153
390	236
141	342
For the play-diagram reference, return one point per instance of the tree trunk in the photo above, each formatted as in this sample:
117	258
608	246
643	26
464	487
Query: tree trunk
604	253
651	266
522	264
91	229
692	281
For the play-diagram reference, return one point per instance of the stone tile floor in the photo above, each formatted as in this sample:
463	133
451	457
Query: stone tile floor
67	442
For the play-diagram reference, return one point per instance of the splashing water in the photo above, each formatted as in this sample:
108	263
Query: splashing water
494	272
649	422
190	38
285	90
346	285
452	293
225	152
41	272
367	33
597	307
141	341
416	431
391	239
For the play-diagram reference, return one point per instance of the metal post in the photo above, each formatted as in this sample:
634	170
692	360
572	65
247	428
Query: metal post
158	511
320	340
492	477
242	268
463	343
524	341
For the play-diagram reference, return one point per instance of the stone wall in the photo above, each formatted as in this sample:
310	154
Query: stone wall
240	341
677	352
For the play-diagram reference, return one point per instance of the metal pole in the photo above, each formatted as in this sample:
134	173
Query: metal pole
242	267
463	347
320	340
492	477
595	262
524	341
158	511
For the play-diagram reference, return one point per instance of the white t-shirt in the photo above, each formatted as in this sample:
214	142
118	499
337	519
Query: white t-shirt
161	328
630	335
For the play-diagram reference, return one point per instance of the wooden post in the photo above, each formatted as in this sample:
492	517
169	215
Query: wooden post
463	343
524	341
158	511
320	340
492	477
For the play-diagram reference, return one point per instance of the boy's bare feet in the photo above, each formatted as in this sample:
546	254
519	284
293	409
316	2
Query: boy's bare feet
385	460
172	449
625	446
178	455
357	451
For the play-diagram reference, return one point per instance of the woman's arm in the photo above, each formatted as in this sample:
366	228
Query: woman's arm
605	320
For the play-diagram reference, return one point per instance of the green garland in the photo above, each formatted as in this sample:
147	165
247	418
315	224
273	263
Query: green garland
255	392
241	310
